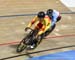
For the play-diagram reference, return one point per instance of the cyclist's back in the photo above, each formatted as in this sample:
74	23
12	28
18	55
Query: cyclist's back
54	15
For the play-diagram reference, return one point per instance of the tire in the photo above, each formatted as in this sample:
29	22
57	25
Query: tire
28	40
21	47
24	43
39	40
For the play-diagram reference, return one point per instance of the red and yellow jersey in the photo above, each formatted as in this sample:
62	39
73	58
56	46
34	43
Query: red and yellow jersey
43	26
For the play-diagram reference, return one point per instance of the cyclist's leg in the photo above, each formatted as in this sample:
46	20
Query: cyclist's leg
45	32
34	42
52	28
58	18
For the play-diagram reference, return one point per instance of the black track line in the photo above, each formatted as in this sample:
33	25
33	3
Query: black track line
37	52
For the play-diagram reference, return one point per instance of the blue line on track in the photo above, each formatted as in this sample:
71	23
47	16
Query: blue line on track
67	55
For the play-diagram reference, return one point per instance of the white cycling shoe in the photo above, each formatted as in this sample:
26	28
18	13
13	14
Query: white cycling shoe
32	46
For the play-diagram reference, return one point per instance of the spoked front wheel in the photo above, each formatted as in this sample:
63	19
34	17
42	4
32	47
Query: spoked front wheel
21	46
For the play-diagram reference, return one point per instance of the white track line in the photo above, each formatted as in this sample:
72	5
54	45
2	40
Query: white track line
69	3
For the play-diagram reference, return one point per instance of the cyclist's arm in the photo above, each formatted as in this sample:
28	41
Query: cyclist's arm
32	22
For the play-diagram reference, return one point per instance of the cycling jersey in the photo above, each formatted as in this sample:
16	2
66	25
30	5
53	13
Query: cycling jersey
42	26
55	15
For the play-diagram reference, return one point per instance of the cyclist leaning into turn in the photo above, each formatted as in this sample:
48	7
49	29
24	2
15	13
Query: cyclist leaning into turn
43	23
54	15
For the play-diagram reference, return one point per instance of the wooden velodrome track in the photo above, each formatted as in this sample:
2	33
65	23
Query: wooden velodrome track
12	28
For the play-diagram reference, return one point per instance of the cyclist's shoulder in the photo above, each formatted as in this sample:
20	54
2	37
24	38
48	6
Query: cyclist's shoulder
47	19
35	18
55	11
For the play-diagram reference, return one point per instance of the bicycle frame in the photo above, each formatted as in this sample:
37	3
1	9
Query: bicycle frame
30	37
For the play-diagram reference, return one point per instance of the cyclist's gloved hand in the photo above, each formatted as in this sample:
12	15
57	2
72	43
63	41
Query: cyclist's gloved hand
26	28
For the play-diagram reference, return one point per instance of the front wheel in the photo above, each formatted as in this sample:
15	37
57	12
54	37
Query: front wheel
39	39
21	46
